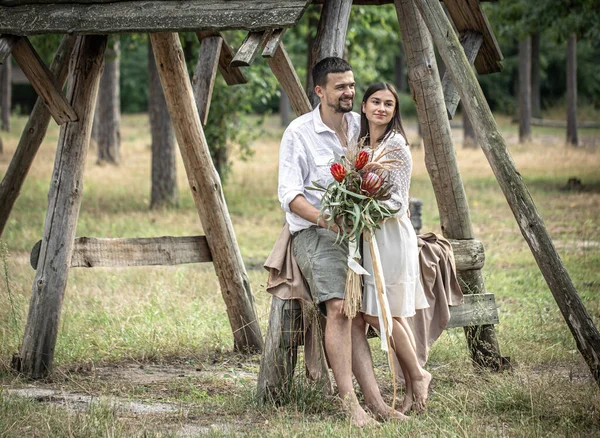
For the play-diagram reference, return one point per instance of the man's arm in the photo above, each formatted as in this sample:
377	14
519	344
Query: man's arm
301	207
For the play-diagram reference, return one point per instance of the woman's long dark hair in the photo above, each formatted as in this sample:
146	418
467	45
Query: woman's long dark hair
395	124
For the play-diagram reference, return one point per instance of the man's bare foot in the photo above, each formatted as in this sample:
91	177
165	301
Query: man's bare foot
358	416
420	392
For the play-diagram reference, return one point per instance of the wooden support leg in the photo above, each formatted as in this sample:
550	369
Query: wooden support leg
440	159
278	360
532	227
207	192
32	136
206	71
284	71
64	200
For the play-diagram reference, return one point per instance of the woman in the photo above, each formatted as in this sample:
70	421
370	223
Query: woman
381	127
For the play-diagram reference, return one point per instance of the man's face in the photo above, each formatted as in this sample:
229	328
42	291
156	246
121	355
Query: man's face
338	92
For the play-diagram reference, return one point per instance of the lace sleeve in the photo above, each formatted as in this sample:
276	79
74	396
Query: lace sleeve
401	173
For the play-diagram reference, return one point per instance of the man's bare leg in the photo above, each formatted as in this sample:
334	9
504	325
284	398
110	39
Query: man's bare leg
362	366
338	343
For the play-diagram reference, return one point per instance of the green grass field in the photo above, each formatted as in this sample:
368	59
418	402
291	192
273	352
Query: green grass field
157	336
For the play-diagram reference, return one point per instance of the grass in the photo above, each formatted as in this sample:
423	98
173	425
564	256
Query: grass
161	334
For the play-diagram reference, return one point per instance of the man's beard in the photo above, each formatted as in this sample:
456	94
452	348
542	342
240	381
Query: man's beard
337	106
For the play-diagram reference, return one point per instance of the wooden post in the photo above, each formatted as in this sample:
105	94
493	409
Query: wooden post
32	137
288	79
440	159
207	192
331	36
203	81
532	227
64	200
471	42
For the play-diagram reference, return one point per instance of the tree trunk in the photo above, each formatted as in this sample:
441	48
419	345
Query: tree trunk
109	108
284	109
572	91
442	166
536	103
313	23
525	90
331	35
469	139
164	161
6	93
532	226
400	72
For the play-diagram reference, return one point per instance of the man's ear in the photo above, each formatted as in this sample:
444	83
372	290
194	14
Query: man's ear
319	91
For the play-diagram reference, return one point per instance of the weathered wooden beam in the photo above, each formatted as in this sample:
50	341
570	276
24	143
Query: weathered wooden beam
207	192
330	39
469	255
64	200
284	71
91	252
249	49
273	43
32	136
476	310
471	42
468	15
232	75
43	82
148	16
203	81
441	163
7	44
532	226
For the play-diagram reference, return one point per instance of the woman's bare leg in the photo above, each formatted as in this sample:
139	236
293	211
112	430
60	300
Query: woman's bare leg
407	356
409	331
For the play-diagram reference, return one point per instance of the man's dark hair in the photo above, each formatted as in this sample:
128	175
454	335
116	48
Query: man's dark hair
326	66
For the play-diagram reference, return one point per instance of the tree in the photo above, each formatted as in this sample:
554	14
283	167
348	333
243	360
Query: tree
572	90
536	105
108	111
469	138
6	93
525	90
164	169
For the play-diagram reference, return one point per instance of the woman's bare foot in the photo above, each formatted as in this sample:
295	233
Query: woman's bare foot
358	416
420	391
408	397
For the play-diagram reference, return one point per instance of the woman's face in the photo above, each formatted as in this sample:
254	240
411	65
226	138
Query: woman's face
379	107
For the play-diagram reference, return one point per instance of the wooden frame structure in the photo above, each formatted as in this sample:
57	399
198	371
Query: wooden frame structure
189	104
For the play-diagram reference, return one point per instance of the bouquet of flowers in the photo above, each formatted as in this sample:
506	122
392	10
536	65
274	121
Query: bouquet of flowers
353	201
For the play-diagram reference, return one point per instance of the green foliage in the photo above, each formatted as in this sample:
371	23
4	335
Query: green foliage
134	73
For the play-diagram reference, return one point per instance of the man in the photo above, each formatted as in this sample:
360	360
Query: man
307	150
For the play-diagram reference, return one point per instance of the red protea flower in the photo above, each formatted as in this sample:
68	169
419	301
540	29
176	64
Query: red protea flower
338	172
361	159
371	183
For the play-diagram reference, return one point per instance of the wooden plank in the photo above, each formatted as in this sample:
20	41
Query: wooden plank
7	44
476	310
203	81
471	42
64	200
273	43
250	47
468	15
284	71
149	16
232	75
207	192
468	254
43	81
577	318
32	136
91	252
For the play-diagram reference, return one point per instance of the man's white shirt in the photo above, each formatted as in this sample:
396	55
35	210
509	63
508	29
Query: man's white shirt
307	150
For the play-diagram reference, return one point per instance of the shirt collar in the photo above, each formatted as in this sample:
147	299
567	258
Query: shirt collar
320	126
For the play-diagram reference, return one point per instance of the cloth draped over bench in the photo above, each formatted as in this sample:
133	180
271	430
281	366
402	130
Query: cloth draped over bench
438	276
